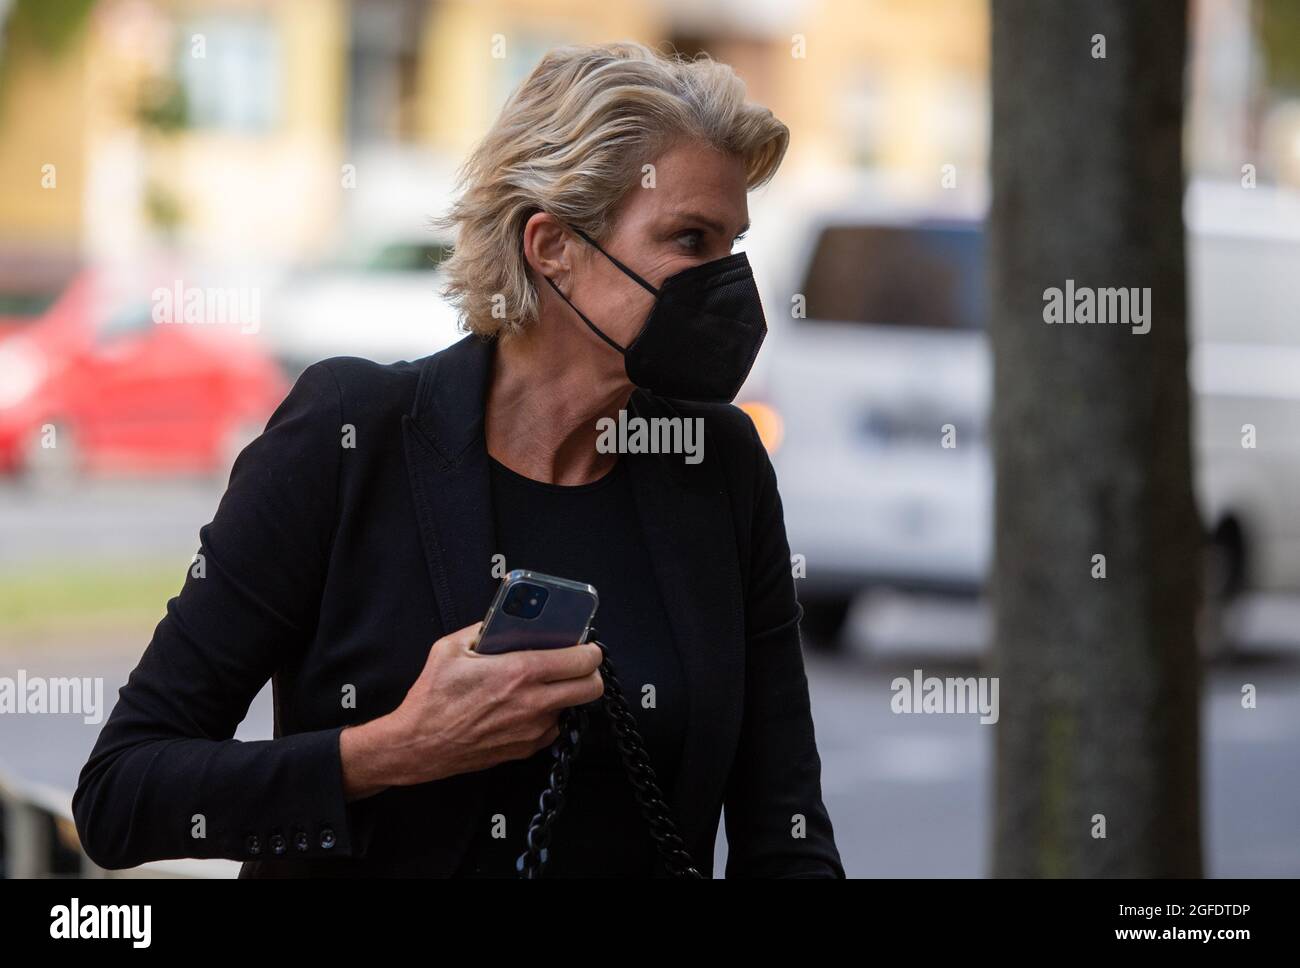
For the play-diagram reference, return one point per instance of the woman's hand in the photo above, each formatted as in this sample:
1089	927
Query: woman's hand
467	712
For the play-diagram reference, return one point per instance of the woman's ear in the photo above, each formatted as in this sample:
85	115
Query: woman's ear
548	247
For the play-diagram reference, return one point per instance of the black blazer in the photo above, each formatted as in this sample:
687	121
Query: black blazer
356	531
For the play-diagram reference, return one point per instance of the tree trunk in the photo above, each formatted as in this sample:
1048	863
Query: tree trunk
1099	676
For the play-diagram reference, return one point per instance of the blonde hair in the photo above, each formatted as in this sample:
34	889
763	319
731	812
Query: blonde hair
571	141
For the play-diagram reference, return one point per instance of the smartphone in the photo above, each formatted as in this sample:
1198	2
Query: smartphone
536	611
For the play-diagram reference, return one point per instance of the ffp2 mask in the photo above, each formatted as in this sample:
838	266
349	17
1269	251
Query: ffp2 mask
702	334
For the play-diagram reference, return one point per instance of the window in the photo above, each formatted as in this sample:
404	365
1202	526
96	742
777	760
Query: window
409	257
384	70
928	275
236	84
132	319
24	306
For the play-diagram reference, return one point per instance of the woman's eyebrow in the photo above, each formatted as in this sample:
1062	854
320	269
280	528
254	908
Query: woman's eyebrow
707	221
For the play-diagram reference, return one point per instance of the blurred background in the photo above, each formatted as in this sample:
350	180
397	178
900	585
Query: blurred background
198	198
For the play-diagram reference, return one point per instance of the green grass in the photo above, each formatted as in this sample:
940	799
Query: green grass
54	600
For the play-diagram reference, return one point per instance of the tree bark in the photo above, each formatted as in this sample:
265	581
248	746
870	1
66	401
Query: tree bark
1099	676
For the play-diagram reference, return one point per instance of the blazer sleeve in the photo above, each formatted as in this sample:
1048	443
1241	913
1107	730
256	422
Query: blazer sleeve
165	778
777	825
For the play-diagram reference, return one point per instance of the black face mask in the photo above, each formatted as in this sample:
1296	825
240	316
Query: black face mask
702	334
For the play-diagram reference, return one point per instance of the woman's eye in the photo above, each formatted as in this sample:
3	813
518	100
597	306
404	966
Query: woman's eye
690	239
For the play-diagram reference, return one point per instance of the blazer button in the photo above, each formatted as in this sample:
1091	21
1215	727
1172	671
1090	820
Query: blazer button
327	837
300	840
254	844
278	845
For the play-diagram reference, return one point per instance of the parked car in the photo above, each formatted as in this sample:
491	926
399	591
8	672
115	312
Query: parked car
113	390
378	300
856	397
891	351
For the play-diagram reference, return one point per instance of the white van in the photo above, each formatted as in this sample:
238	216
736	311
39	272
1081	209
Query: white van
1244	286
856	399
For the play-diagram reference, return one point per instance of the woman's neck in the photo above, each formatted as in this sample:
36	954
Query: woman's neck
544	399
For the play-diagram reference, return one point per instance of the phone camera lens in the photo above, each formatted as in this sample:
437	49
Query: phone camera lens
525	601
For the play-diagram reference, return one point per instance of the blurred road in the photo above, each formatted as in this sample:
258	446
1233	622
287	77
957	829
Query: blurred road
109	519
908	794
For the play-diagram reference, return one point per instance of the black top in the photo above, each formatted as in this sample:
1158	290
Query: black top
588	533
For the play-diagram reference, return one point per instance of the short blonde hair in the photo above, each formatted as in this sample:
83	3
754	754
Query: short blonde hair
571	141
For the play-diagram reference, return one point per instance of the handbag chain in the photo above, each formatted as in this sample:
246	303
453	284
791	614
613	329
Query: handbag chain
636	764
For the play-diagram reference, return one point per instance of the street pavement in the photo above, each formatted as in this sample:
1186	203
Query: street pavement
909	795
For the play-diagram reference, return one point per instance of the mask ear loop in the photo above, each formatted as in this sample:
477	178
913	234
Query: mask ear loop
626	271
590	325
632	275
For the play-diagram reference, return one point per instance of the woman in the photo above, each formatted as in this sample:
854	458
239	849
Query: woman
381	504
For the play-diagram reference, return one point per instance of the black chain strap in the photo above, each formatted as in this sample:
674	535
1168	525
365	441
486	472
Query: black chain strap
636	764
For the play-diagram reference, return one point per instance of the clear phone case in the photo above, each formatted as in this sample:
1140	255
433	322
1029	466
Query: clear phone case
564	618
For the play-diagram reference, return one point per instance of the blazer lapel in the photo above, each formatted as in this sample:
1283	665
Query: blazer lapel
447	459
686	518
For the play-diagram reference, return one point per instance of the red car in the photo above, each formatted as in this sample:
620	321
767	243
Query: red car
97	383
